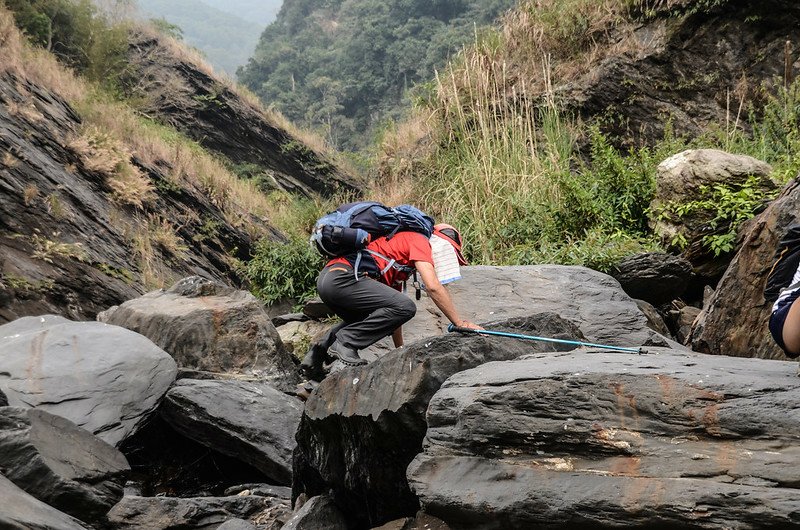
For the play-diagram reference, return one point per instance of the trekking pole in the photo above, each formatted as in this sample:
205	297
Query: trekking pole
452	328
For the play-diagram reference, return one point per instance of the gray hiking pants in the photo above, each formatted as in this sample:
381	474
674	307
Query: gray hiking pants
371	310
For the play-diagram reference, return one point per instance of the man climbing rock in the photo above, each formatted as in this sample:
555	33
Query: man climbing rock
366	292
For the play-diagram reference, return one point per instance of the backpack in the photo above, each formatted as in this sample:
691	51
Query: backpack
352	226
347	232
784	264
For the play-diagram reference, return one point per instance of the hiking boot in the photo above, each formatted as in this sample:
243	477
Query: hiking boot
312	365
348	356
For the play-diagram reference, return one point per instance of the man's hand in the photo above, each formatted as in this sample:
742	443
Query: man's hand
469	325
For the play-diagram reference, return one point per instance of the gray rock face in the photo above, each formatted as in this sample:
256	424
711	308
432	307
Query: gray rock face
60	464
318	513
21	511
104	378
168	513
604	439
679	181
205	325
654	277
593	301
363	426
734	322
251	422
422	521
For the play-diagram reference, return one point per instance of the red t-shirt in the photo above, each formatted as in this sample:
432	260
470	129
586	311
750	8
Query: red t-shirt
405	248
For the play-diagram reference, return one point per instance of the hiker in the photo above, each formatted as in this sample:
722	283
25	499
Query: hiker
783	287
784	323
365	291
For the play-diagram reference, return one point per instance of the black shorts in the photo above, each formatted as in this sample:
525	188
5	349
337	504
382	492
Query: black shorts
778	319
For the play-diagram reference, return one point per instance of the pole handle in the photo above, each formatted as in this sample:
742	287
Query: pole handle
453	328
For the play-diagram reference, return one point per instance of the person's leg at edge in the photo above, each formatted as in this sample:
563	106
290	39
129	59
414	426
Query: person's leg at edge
791	330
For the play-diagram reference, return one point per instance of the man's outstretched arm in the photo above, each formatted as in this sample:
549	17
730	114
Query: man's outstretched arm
440	295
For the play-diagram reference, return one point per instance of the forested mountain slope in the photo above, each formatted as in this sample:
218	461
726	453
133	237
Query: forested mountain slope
261	12
344	66
227	40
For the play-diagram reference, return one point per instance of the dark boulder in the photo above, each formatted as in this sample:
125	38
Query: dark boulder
280	320
654	277
21	511
317	309
598	439
60	464
318	513
208	326
363	426
169	513
104	378
249	421
3	399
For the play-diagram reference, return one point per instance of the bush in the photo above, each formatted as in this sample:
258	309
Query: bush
284	270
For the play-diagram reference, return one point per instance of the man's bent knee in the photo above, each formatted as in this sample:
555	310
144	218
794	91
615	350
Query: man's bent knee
406	309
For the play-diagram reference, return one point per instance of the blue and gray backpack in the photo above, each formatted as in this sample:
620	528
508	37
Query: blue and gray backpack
347	232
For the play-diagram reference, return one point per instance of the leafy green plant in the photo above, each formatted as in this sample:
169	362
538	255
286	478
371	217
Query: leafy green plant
284	270
726	206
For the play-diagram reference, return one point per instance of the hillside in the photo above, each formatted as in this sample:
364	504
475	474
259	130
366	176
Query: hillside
100	202
344	67
226	39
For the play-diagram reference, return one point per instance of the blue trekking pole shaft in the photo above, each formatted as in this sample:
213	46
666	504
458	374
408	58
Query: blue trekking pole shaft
452	328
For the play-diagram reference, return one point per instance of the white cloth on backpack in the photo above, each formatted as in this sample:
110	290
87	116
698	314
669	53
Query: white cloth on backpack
445	260
786	293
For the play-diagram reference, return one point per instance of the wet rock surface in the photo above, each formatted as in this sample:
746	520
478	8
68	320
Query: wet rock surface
605	439
249	421
60	464
104	378
363	426
165	462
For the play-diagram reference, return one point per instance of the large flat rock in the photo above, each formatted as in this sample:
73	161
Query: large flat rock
593	301
604	439
104	378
